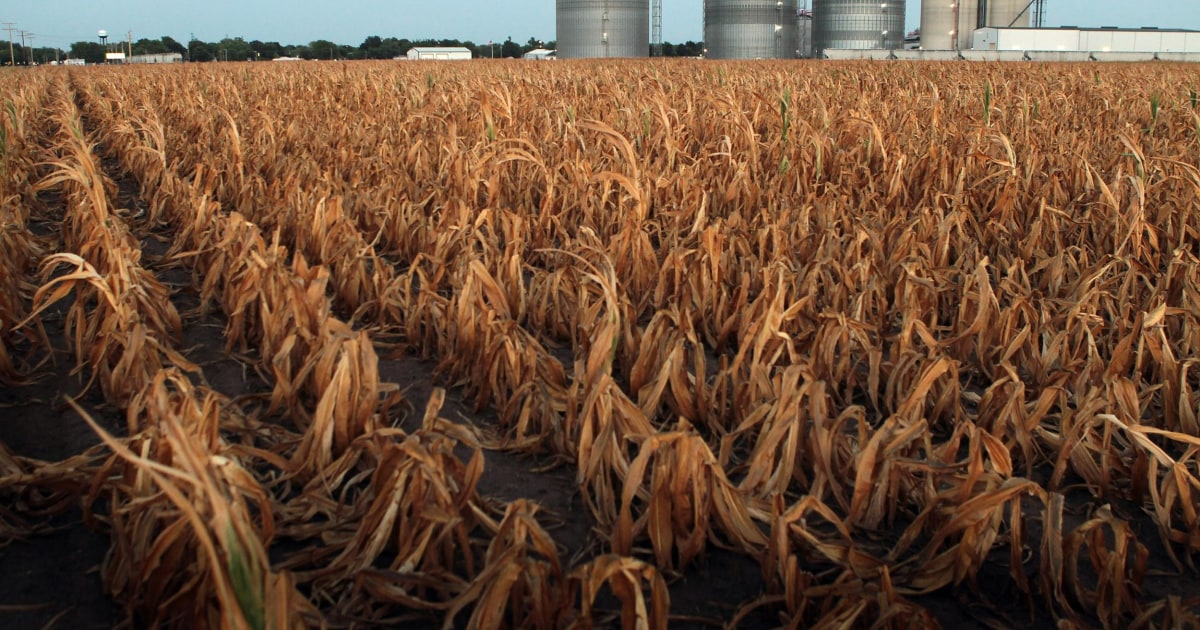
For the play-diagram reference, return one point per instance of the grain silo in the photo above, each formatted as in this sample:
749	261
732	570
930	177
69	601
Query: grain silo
858	24
603	28
750	29
1008	13
938	29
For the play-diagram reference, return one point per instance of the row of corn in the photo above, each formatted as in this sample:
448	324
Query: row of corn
414	503
21	134
843	338
903	381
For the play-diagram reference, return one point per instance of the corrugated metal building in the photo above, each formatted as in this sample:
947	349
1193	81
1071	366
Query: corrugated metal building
1088	40
157	58
449	53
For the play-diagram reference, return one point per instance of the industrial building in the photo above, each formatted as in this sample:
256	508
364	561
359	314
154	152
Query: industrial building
157	58
751	29
603	28
448	53
1088	40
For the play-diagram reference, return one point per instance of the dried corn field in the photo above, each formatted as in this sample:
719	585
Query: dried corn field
510	345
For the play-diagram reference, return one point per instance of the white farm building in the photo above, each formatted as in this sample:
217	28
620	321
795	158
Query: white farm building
157	58
1097	42
421	53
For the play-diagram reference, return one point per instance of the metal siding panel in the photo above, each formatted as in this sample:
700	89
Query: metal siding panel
937	20
1097	41
1147	41
858	24
756	29
603	28
1003	13
1173	42
937	24
1050	40
1124	42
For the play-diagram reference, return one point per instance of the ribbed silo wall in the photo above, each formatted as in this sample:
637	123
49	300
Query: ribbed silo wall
603	28
1005	13
938	28
858	24
751	29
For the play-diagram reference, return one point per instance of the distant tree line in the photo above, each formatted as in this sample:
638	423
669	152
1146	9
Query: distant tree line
238	49
27	55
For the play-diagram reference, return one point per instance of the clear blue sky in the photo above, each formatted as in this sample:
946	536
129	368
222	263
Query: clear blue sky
60	22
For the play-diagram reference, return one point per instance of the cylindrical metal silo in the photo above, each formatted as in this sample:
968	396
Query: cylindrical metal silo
858	24
750	29
937	20
938	28
1006	13
603	28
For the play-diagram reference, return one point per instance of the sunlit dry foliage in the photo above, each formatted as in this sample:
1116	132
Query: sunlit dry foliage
869	326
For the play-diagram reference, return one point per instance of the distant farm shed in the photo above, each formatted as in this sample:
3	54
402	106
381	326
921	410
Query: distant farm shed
443	54
157	58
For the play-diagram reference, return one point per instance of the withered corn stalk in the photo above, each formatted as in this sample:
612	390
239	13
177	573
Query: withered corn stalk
843	337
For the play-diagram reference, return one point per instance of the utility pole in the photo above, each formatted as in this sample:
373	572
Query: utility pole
31	50
23	61
129	44
12	60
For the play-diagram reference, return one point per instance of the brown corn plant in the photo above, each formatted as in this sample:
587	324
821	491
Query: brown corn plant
874	343
629	580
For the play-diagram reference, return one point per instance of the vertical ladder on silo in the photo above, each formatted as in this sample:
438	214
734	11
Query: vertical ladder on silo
656	38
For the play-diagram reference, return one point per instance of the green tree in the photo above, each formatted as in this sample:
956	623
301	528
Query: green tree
390	48
201	51
91	52
510	49
533	44
370	44
149	47
171	45
687	49
267	50
46	54
321	49
234	49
